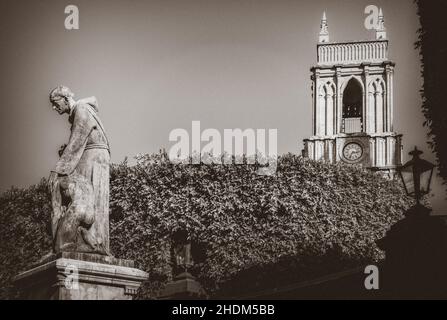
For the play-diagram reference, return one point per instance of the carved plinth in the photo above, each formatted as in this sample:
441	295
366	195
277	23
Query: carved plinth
77	276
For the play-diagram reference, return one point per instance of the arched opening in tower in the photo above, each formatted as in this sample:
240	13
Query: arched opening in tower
352	107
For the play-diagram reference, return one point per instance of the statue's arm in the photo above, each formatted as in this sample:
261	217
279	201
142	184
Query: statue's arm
82	126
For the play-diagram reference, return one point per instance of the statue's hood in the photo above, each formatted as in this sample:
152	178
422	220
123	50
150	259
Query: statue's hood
92	101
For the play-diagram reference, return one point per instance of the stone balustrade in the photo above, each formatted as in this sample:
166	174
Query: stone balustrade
352	52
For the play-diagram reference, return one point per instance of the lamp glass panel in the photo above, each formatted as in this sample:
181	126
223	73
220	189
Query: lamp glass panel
425	181
407	177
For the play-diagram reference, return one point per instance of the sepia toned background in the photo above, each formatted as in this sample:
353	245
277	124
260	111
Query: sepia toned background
158	65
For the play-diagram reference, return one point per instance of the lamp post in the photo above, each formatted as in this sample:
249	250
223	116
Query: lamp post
416	175
415	246
183	285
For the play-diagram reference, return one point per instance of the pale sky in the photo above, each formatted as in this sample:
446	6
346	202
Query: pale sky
158	65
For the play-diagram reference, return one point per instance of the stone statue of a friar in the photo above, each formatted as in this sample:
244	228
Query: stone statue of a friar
79	183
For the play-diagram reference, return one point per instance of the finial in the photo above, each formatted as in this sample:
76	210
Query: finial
416	152
324	32
381	30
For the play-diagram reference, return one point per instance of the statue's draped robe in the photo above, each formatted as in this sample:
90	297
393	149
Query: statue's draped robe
81	197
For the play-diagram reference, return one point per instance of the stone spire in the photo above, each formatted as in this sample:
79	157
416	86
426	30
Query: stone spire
324	32
380	30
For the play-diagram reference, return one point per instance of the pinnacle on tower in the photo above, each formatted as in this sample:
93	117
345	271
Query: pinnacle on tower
380	30
324	32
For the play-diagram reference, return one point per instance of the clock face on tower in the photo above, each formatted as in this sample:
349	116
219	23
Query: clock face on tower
352	151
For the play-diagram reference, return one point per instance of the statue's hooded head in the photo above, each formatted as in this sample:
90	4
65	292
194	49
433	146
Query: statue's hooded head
61	99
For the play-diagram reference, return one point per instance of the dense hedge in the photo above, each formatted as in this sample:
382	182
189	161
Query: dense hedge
24	231
311	217
433	49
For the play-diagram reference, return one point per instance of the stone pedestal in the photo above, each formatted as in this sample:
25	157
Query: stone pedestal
183	287
78	276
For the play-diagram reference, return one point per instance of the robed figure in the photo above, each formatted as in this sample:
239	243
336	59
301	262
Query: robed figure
79	184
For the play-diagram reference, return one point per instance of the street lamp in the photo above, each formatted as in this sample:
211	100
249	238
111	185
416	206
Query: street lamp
183	258
181	252
416	175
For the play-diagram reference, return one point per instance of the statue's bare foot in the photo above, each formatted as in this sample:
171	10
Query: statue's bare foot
68	247
46	258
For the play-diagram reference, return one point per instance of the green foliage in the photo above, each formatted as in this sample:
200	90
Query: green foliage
311	218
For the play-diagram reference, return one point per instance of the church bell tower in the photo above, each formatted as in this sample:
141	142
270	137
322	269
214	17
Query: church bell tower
352	103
